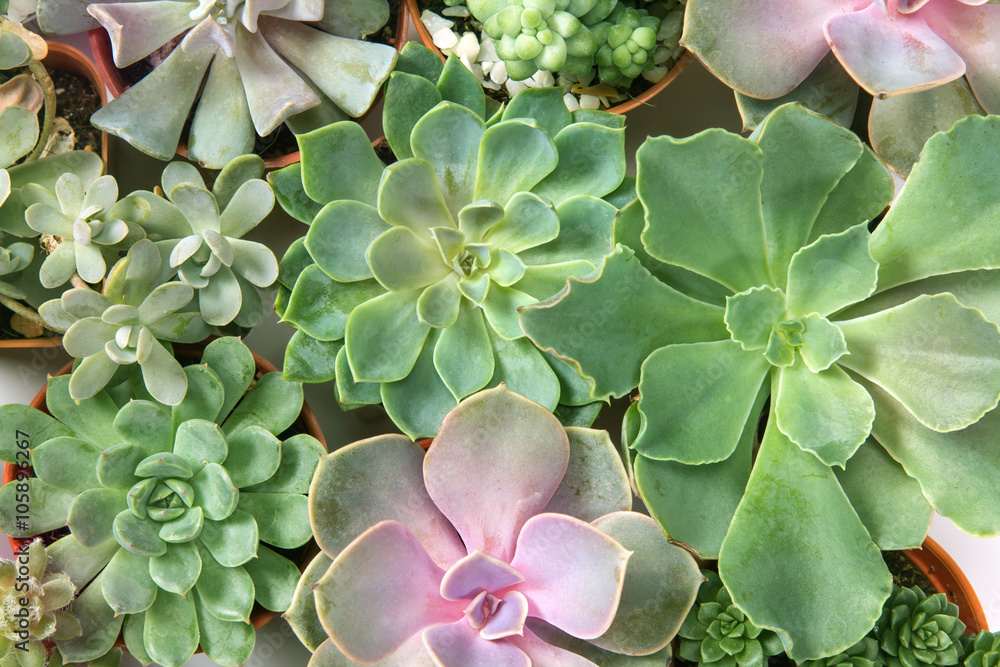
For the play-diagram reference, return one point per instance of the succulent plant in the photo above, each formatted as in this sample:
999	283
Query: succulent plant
14	257
930	58
980	650
126	325
33	600
717	633
406	288
916	629
170	508
630	44
294	61
543	34
509	529
862	654
745	271
198	233
82	227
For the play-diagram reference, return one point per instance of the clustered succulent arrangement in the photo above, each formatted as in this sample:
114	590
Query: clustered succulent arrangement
245	68
175	512
812	358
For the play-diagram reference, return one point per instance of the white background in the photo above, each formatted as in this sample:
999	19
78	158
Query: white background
693	102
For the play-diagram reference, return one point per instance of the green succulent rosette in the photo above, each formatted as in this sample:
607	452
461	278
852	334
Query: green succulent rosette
84	228
406	288
199	233
176	514
127	325
917	629
862	654
746	272
717	634
981	650
15	256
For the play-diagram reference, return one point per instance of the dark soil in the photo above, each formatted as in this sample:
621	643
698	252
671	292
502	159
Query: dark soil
465	24
282	141
384	153
77	100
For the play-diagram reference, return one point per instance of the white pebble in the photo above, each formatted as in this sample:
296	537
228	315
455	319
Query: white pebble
445	39
492	86
604	101
459	11
433	22
468	47
662	55
590	102
475	68
571	102
487	50
487	66
543	78
655	74
514	87
498	73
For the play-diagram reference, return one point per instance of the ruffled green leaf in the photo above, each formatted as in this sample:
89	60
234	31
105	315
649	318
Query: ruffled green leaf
937	357
860	196
825	413
291	196
566	324
702	198
751	315
831	273
696	399
821	580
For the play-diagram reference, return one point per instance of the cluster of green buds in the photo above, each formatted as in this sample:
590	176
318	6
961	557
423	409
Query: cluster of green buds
629	44
572	36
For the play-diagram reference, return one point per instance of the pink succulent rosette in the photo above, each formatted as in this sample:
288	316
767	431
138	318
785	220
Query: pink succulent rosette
509	543
819	51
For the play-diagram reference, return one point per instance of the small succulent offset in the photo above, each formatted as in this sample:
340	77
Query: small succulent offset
916	630
509	543
406	288
981	650
33	602
83	228
879	353
297	61
15	256
717	634
170	509
571	36
863	654
910	54
127	325
198	233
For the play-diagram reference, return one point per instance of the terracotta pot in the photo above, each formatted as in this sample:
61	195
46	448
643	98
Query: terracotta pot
306	423
623	108
100	44
945	575
65	58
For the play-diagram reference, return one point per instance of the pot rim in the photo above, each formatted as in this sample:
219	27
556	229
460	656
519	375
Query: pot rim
629	105
307	419
947	577
100	44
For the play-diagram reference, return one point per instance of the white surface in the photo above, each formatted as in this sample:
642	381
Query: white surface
693	102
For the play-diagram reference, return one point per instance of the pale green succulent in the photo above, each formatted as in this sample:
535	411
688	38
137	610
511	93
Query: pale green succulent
198	233
13	259
406	288
746	271
544	34
981	650
125	325
84	228
629	43
170	509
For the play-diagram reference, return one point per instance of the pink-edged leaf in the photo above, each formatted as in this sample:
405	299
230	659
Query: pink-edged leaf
495	463
475	573
909	6
543	653
508	619
765	48
459	645
573	573
380	591
974	32
891	56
